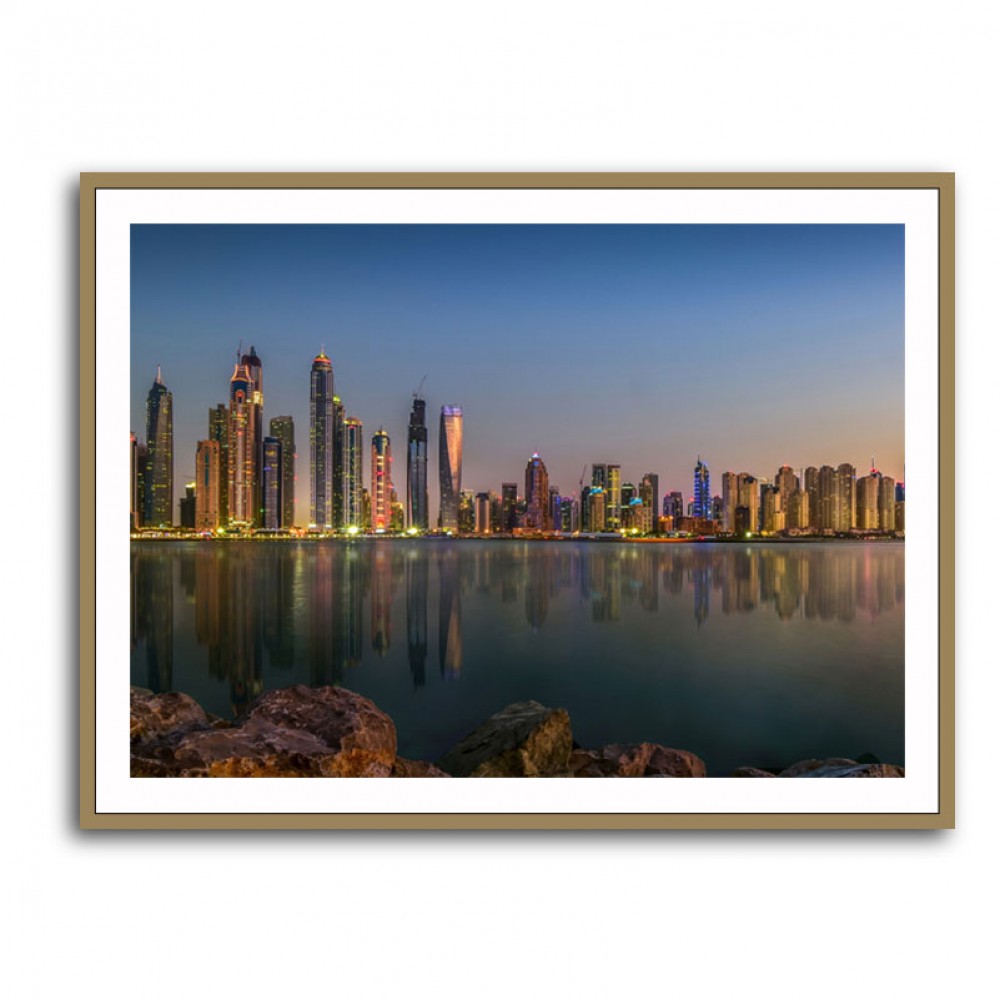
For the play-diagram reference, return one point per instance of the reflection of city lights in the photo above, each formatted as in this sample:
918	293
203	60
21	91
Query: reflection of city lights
353	530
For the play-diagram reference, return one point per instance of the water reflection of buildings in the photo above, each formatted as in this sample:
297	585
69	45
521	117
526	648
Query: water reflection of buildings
153	616
381	605
417	578
262	611
228	620
450	616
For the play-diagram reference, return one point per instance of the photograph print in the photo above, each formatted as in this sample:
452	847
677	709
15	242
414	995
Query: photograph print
568	500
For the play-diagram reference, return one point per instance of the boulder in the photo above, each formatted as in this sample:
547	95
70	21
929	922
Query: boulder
635	760
841	767
292	732
155	716
523	740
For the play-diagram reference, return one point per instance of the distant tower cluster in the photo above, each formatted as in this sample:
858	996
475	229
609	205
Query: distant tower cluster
245	480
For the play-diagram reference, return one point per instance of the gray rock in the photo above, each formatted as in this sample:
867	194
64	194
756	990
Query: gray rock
523	740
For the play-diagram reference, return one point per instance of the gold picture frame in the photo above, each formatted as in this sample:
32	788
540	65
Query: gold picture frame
91	186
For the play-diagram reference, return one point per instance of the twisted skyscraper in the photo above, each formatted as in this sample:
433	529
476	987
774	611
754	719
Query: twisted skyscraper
450	465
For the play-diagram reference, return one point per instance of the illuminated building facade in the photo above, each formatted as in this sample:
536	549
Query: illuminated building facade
207	516
353	435
159	474
538	516
283	428
450	466
649	494
245	446
381	493
508	507
218	431
417	512
702	491
322	440
730	501
613	513
271	483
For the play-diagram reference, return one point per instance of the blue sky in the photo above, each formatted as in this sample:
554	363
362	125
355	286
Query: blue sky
751	345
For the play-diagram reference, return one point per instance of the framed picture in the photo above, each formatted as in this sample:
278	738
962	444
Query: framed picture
435	478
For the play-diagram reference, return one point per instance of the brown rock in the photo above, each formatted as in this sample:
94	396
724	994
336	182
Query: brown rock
635	760
841	767
751	772
293	732
155	716
523	740
404	768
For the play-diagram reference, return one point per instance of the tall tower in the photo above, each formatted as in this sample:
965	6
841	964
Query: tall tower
244	446
159	479
450	465
206	489
417	515
218	431
613	511
538	516
381	481
702	490
256	371
353	435
271	483
321	444
283	428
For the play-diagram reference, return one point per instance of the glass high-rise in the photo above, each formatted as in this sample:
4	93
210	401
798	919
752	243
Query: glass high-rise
246	400
417	515
283	428
271	483
322	439
159	478
702	491
381	495
353	458
538	516
450	466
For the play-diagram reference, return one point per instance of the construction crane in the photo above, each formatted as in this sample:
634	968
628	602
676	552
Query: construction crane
583	472
419	389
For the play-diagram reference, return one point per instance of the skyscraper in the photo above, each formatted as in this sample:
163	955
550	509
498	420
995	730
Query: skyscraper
322	440
381	495
353	433
649	493
271	477
256	370
218	431
613	513
702	491
845	512
450	465
730	501
135	495
245	444
867	502
536	495
417	514
508	507
283	428
338	464
207	486
159	479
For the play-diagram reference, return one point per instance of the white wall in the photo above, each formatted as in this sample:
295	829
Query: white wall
443	86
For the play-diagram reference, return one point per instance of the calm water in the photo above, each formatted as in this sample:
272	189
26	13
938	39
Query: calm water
760	654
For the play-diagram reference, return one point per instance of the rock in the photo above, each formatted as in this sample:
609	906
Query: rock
154	716
292	732
523	740
841	767
635	760
751	772
404	768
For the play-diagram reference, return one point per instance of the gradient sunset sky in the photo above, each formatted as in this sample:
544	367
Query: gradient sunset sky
646	345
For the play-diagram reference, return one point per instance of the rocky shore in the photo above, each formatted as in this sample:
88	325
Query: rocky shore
330	732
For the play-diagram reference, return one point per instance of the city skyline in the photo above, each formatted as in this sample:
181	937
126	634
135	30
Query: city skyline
753	346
